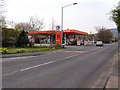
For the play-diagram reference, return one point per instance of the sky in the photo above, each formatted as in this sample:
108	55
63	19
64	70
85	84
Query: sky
84	16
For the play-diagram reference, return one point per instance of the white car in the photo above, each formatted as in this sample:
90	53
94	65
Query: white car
99	43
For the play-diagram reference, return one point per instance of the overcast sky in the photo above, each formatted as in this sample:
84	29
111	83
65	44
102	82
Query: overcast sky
84	16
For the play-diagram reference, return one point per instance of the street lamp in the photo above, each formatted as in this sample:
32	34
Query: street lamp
74	3
62	20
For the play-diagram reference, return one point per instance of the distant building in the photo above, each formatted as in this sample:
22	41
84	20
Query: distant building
114	32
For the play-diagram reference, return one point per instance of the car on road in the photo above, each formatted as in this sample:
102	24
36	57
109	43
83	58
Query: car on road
99	43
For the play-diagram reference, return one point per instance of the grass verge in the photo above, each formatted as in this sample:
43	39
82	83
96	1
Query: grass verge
30	49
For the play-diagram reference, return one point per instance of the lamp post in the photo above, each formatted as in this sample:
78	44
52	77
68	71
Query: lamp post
62	20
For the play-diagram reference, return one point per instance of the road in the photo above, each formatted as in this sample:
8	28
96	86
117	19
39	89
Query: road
73	67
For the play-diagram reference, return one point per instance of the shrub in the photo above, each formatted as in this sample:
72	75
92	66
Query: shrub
22	40
106	41
57	46
3	50
9	37
20	50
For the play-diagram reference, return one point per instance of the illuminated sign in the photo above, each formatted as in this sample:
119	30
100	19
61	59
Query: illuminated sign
58	37
57	27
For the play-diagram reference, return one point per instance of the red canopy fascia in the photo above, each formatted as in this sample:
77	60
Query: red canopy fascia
75	31
41	32
53	31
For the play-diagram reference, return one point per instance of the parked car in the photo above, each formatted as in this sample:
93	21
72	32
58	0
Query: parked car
99	43
82	43
92	42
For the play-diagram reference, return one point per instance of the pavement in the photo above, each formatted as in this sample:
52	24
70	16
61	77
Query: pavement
113	79
73	67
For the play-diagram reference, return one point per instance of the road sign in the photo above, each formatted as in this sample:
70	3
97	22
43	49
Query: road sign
57	27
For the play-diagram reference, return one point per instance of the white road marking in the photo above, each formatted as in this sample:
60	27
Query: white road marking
75	51
15	58
28	68
36	66
10	73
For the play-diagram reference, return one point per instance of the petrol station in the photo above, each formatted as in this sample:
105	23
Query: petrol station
67	37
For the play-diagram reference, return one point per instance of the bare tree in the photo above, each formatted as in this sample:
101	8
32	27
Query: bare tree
32	24
2	6
18	27
36	23
53	23
26	26
52	34
11	23
104	34
23	26
3	23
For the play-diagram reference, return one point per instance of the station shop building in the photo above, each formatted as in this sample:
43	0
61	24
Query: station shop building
67	37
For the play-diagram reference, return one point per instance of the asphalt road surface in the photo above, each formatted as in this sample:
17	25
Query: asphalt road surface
73	67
